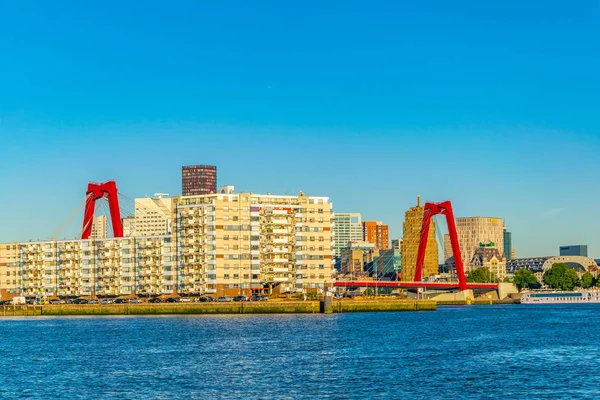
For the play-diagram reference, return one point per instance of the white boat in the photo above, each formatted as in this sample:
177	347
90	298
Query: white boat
584	297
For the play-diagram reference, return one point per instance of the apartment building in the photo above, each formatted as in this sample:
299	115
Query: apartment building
246	243
377	233
413	221
221	244
101	267
9	270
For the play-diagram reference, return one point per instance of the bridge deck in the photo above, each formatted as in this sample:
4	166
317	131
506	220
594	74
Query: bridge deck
415	285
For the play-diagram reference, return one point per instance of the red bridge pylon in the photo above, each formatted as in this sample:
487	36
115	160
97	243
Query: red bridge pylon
431	209
98	191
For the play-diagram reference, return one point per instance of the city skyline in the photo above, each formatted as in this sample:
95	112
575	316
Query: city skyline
507	130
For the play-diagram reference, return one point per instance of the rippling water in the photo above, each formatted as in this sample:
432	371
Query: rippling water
534	352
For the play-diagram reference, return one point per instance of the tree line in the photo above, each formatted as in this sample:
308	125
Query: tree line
559	277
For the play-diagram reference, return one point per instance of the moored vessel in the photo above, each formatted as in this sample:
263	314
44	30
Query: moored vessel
561	297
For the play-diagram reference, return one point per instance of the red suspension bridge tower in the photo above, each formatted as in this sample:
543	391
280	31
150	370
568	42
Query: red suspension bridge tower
431	209
97	191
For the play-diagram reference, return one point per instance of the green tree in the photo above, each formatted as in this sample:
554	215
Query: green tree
524	278
561	277
587	280
368	292
481	275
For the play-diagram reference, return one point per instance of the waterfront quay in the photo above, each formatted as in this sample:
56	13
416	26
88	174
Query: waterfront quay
281	307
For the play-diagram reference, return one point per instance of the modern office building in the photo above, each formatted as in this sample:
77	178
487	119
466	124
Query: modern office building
387	266
447	248
356	256
396	243
222	244
347	228
574	250
413	220
99	227
152	216
198	180
376	232
507	244
473	231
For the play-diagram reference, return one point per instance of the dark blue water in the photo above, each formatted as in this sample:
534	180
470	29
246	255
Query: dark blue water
533	352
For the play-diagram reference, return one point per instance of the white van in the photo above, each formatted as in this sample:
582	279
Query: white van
18	300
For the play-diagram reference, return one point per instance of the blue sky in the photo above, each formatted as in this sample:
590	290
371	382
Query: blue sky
491	105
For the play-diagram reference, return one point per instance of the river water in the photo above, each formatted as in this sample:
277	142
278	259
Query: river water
516	351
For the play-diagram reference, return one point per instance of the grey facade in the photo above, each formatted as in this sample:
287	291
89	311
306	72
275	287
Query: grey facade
575	250
507	244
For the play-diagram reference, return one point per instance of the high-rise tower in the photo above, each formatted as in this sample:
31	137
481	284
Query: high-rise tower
198	180
413	220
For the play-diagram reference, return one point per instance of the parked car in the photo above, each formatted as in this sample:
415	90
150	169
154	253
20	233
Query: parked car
224	299
93	301
255	298
106	301
121	301
185	300
135	300
240	298
173	299
155	300
80	301
5	302
205	299
54	301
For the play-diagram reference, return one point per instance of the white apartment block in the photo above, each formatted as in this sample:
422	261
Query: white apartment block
475	230
152	216
102	267
99	227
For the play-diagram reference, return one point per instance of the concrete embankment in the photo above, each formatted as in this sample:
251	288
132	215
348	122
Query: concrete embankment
284	307
377	305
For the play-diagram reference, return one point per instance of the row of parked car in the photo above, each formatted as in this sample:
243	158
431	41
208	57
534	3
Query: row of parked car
135	300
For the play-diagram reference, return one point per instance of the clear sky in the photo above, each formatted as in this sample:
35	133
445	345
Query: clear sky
493	105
